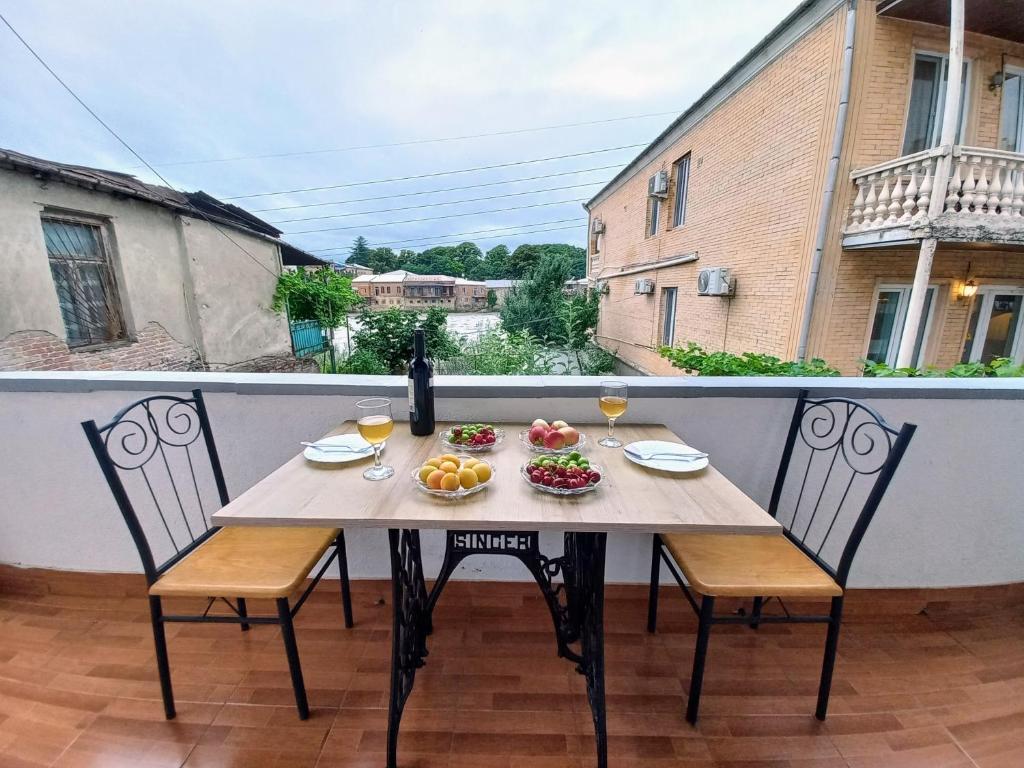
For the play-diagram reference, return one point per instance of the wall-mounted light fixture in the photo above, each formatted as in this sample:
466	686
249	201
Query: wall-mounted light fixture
997	80
967	290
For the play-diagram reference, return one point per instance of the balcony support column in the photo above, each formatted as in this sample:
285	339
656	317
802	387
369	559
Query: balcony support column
950	121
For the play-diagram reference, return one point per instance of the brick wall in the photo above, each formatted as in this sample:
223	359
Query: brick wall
153	350
756	168
861	272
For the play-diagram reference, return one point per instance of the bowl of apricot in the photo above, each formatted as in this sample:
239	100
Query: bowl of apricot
453	476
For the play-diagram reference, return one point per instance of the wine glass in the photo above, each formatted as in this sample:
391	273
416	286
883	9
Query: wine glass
374	422
612	402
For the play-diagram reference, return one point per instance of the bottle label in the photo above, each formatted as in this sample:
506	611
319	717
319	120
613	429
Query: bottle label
412	398
430	382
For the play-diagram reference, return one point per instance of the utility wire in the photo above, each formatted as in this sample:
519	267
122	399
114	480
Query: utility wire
127	146
435	205
435	173
413	142
452	234
497	237
436	218
436	191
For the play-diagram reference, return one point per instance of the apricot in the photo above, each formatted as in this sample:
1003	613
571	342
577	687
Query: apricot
470	463
449	467
434	462
450	457
434	479
468	477
482	472
450	482
426	472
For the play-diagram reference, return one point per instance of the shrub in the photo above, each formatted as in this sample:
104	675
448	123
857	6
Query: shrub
387	335
694	359
497	353
999	367
363	362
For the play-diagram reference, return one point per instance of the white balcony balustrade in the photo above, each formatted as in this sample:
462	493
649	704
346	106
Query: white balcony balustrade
895	195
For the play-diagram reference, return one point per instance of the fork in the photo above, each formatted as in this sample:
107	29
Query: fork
340	448
693	456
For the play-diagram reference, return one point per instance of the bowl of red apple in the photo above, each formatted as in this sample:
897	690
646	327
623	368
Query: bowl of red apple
557	437
562	474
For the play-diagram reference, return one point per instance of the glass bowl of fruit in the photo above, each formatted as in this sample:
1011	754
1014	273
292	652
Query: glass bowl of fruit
472	438
554	438
562	474
453	476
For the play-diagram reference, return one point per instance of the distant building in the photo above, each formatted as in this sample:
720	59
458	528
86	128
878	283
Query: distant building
105	272
352	270
407	290
501	288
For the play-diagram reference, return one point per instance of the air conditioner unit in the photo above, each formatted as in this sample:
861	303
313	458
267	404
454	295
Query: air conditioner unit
657	185
714	281
597	227
644	285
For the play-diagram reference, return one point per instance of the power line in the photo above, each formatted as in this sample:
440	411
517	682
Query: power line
436	191
436	218
436	205
498	237
436	173
126	145
453	234
413	142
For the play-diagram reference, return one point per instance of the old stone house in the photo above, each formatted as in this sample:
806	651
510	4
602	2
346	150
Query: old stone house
811	173
408	290
101	271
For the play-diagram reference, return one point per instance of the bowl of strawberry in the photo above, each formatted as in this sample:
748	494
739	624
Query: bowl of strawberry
562	474
472	437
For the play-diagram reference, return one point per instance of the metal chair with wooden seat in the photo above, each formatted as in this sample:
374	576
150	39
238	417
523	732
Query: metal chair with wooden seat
843	433
140	450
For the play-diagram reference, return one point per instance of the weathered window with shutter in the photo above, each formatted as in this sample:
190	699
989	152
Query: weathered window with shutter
84	278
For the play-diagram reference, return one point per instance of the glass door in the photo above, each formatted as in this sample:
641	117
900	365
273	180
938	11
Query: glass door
1011	114
890	316
928	100
994	329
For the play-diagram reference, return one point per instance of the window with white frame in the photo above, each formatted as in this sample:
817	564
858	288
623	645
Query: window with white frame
668	316
994	328
1011	114
889	315
927	102
682	176
84	279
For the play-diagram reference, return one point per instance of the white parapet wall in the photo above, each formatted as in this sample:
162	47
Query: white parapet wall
954	514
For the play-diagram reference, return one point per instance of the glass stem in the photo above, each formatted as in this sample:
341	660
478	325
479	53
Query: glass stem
611	427
376	456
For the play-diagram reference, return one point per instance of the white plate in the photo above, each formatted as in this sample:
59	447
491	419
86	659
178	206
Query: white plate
665	465
340	457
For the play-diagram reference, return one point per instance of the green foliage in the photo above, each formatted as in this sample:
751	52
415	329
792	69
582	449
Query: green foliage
694	359
999	367
360	252
492	298
387	335
497	353
364	362
526	258
323	295
535	305
595	361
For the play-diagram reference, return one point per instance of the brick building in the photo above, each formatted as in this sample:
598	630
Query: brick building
742	181
104	272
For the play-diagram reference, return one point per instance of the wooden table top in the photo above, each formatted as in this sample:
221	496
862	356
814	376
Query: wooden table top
631	498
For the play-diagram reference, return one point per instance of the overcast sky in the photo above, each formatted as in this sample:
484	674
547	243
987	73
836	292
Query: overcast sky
195	80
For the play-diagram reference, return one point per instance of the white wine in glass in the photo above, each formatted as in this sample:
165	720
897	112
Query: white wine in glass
612	401
374	422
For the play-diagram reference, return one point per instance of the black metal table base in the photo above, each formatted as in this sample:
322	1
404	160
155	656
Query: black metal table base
576	604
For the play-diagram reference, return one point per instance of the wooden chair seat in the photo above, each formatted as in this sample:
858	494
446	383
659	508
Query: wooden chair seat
737	565
244	561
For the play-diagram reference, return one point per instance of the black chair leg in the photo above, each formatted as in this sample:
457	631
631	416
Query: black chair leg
243	612
163	666
284	615
346	590
829	662
652	597
707	610
755	613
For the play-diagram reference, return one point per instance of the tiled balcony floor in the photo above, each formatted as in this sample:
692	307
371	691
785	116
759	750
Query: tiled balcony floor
78	686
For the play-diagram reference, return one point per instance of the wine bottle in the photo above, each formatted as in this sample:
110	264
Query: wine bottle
421	388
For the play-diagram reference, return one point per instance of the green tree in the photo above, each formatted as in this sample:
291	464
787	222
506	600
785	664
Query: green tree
360	252
323	295
387	336
382	260
492	298
535	305
578	316
495	265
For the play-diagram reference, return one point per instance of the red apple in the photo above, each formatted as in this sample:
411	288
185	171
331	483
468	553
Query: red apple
571	435
554	440
539	423
558	424
537	434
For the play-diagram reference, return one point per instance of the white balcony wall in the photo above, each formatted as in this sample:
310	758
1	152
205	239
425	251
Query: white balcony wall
954	514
